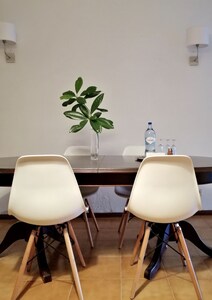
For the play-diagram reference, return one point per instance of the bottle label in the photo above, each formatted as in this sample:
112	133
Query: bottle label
150	140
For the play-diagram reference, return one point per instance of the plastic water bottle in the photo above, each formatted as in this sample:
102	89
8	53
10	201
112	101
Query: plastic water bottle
150	139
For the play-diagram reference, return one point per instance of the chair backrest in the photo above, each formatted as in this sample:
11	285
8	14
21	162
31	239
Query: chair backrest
165	189
77	150
45	191
134	150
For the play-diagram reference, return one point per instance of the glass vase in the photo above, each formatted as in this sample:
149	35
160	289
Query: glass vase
94	145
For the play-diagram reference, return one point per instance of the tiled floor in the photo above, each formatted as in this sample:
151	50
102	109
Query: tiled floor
108	274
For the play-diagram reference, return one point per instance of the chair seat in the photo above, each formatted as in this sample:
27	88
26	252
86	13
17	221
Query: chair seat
123	191
88	191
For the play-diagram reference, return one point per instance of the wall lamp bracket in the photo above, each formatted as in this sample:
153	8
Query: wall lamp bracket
194	60
8	38
197	37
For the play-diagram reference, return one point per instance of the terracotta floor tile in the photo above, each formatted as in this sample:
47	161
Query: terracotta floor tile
101	267
100	289
182	287
52	290
206	288
148	290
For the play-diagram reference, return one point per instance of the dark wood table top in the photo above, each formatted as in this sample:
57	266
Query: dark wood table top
83	164
107	170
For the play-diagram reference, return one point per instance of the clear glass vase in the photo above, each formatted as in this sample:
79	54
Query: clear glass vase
94	145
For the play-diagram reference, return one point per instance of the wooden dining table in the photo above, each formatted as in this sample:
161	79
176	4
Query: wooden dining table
108	170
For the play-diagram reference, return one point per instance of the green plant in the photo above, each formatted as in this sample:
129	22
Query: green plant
81	111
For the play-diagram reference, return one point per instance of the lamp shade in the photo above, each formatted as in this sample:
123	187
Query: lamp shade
7	32
198	36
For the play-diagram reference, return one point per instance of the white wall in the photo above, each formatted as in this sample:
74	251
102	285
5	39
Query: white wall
134	51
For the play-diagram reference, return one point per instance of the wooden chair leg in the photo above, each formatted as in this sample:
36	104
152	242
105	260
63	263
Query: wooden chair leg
189	262
140	262
31	255
121	222
73	263
125	220
23	264
92	215
88	230
138	243
33	251
122	217
76	244
179	246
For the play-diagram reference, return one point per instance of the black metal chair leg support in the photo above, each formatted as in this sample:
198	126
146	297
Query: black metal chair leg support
190	234
163	234
18	231
41	258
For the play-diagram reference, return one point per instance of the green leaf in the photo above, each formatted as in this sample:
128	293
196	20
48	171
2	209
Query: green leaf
108	124
90	92
97	114
70	93
70	101
67	96
102	109
74	108
97	102
78	84
81	100
76	128
93	118
93	94
84	109
74	115
96	126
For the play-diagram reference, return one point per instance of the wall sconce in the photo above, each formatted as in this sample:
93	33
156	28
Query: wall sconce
8	38
198	37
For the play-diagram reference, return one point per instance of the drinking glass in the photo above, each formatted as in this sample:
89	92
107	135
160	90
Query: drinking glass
160	148
173	146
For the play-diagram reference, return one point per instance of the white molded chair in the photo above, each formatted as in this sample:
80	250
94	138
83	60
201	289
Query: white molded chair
86	191
125	191
165	191
45	192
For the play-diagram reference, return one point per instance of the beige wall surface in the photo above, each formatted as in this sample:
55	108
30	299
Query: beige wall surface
134	51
